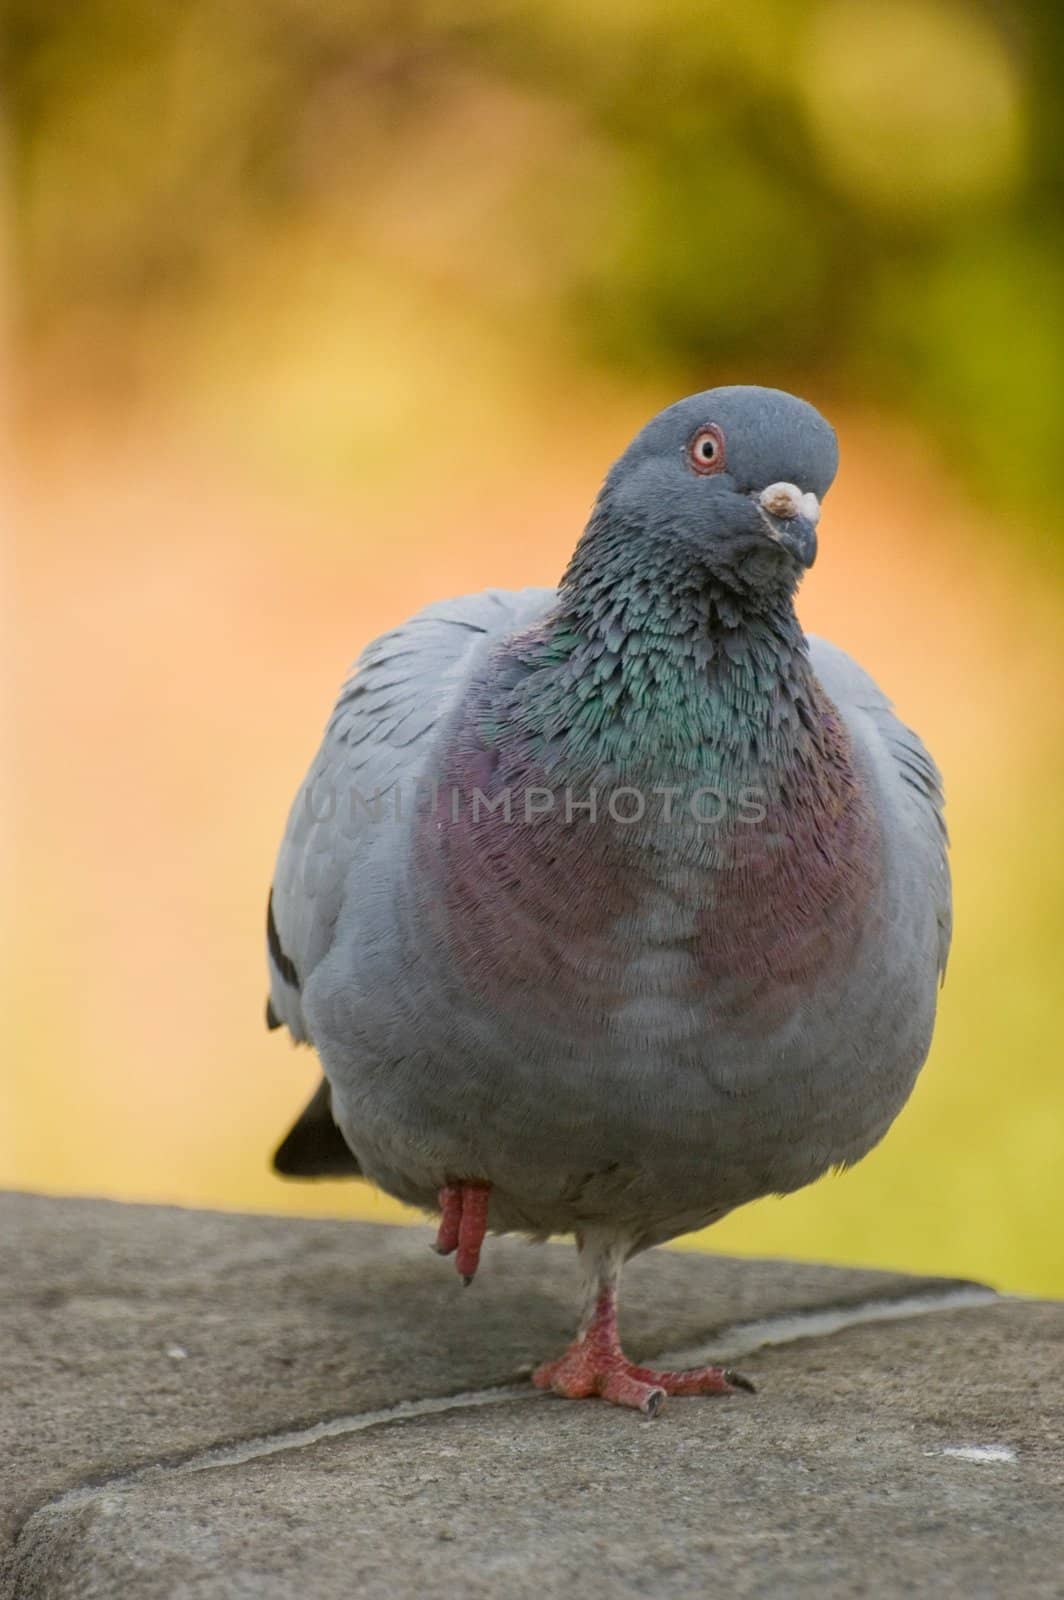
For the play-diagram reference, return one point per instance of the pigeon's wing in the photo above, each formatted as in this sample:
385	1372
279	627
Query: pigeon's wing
909	783
378	736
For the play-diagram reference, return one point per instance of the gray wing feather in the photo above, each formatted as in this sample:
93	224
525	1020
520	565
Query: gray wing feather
909	781
379	734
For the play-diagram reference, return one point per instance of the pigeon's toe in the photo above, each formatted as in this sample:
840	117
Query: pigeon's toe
695	1380
621	1388
463	1224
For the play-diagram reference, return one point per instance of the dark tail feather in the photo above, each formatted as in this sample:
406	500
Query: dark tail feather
315	1147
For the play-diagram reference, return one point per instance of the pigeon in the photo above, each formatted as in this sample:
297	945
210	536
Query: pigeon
610	908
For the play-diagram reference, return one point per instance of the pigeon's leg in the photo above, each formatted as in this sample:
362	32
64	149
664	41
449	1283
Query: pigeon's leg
595	1364
463	1224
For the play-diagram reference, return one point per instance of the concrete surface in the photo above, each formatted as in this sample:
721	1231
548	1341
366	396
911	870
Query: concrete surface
196	1406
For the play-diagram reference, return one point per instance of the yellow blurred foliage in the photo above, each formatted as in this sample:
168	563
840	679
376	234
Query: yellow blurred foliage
915	103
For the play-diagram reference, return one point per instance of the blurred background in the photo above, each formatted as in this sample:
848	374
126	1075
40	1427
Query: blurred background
317	311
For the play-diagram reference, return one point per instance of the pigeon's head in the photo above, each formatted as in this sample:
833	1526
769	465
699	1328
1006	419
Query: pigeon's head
733	478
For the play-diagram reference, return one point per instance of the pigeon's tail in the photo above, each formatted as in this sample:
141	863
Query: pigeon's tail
315	1147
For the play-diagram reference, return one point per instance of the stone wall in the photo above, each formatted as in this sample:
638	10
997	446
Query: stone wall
197	1406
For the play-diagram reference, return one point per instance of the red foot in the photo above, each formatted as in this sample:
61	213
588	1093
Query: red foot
463	1224
595	1364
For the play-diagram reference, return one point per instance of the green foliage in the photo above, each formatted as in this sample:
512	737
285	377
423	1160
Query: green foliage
864	193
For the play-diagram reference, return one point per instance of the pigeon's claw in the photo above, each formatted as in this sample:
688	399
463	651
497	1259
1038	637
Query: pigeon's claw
463	1224
582	1373
595	1364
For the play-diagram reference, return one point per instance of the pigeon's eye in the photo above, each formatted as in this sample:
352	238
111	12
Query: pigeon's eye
705	451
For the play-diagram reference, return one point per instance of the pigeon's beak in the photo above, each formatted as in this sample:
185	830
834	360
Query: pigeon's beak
791	518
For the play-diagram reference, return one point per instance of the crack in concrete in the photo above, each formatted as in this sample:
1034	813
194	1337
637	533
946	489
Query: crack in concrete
743	1338
726	1344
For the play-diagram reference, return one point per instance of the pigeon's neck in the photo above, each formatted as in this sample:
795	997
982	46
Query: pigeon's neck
657	668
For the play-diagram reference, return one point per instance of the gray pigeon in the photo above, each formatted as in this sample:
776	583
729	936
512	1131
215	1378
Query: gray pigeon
612	907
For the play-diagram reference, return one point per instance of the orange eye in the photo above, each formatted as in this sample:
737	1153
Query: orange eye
705	452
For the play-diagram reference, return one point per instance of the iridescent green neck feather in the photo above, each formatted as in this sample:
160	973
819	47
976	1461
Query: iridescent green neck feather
660	667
